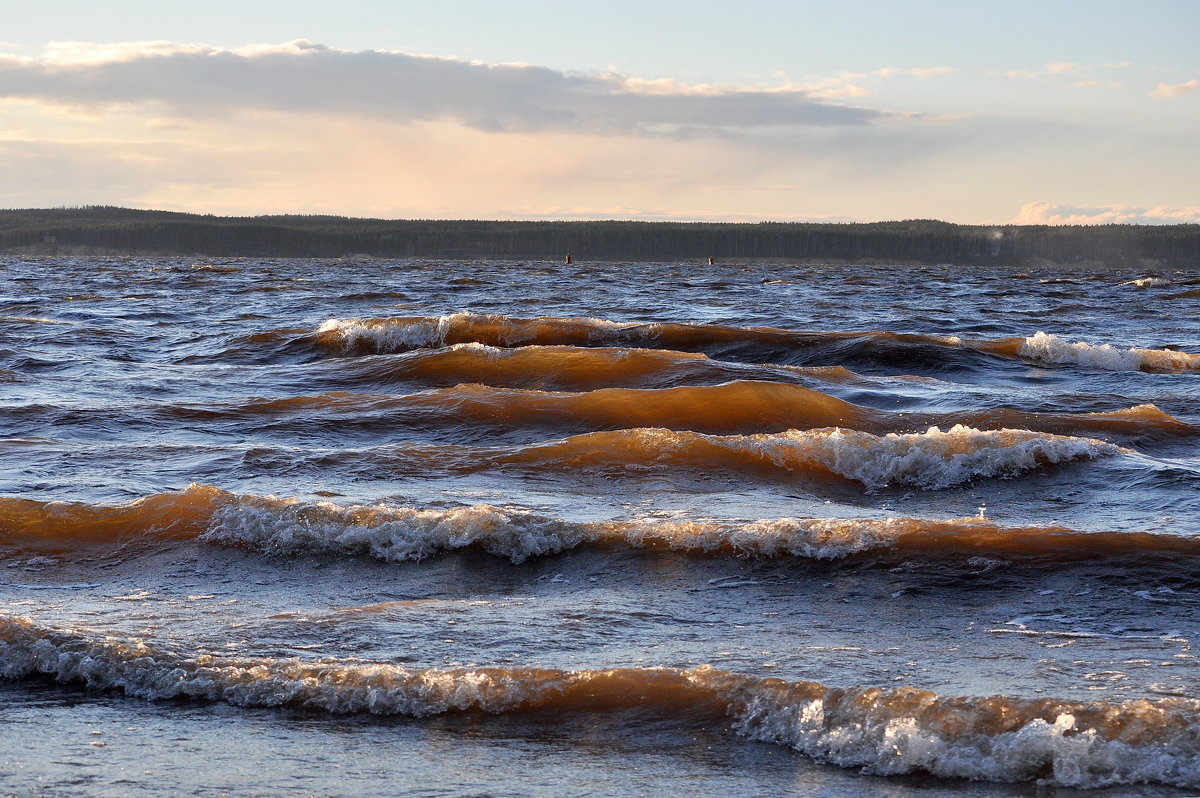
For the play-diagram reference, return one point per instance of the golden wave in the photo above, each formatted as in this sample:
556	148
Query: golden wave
933	459
567	368
740	406
885	731
397	533
399	334
359	336
1053	350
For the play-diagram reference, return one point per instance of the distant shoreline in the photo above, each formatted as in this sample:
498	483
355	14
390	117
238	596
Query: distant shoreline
109	231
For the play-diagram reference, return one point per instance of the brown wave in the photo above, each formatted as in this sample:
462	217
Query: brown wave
399	334
54	525
732	407
1144	420
740	406
402	333
1053	350
883	731
361	336
396	533
566	368
930	460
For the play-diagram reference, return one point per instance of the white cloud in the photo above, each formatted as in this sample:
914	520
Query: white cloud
67	54
1050	213
1176	89
1066	69
916	72
848	84
199	80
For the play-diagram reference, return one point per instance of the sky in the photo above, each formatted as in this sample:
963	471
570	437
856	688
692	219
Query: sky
1061	112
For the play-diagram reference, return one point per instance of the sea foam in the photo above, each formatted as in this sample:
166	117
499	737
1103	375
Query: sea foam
1048	348
884	731
929	460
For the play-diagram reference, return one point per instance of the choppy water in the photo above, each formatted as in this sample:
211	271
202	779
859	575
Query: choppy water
375	527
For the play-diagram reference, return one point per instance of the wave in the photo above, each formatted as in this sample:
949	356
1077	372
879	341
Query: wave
930	460
177	515
764	345
884	731
359	336
404	333
286	526
1045	348
569	368
740	406
33	320
759	344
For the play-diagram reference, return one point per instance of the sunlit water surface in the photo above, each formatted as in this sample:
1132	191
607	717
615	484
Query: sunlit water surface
360	527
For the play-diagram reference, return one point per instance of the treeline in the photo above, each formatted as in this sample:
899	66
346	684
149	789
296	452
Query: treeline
124	230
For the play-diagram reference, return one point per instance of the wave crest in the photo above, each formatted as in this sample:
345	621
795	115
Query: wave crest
1047	348
880	730
288	526
930	460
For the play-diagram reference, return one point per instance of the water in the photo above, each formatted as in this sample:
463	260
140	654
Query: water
363	527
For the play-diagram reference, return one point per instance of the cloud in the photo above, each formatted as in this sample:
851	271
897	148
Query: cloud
1176	89
847	84
302	77
1049	213
1066	69
916	72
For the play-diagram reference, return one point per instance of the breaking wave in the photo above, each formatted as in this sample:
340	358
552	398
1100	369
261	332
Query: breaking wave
884	731
359	336
930	460
400	334
287	526
1048	348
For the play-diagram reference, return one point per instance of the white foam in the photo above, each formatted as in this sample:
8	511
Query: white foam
880	731
137	670
390	335
861	728
388	533
34	320
931	460
1147	282
1048	348
395	534
402	334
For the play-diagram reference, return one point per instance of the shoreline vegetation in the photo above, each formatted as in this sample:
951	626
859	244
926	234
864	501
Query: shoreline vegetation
105	230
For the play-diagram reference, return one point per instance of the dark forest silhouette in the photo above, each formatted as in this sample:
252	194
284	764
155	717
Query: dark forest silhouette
111	230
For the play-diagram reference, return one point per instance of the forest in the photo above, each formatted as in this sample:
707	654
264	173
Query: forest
100	230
